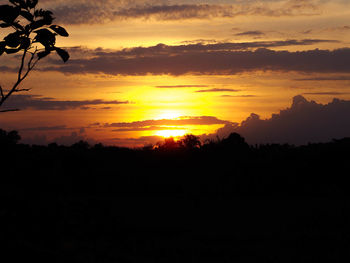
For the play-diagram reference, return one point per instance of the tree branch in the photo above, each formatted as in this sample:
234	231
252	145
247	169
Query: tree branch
2	93
20	78
9	110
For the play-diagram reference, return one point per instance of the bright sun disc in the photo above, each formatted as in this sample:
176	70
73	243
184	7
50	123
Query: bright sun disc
171	133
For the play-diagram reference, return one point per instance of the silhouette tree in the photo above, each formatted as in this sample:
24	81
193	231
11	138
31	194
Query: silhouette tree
33	36
190	141
9	138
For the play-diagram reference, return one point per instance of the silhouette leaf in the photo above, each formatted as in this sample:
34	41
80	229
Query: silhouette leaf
12	50
9	13
32	3
13	39
36	24
59	30
25	43
20	3
45	37
43	54
63	54
2	47
27	15
4	25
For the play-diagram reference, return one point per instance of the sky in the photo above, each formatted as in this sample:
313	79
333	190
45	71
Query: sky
143	70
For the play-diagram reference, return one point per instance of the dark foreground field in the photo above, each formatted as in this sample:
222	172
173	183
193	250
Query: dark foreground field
223	202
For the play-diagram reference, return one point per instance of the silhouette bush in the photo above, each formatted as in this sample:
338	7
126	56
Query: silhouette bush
9	138
33	35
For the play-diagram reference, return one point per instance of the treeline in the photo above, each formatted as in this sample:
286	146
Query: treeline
221	201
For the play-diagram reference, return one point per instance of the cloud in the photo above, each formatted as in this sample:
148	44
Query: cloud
238	96
181	86
36	102
215	59
182	121
47	128
250	33
331	78
218	90
66	139
326	93
305	121
89	12
151	128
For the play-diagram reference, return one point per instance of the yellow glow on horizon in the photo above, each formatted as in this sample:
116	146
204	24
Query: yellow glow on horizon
171	133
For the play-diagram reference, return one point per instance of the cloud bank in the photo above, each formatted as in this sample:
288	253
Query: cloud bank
305	121
216	59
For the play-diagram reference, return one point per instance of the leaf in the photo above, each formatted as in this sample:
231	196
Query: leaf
2	47
25	43
43	54
13	39
59	30
27	15
4	25
36	24
32	3
18	26
12	50
45	37
63	54
9	13
20	3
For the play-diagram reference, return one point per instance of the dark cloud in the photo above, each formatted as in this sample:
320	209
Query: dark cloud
250	33
332	78
66	139
88	12
202	120
162	49
35	102
208	59
47	128
181	86
238	96
326	93
151	128
218	90
305	121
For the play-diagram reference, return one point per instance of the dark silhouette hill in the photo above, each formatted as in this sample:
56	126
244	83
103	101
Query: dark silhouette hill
224	201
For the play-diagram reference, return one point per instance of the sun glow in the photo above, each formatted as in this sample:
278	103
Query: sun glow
171	133
169	114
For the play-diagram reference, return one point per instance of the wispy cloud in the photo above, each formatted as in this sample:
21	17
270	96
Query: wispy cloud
36	102
150	124
330	93
181	86
83	12
328	78
238	96
251	33
218	90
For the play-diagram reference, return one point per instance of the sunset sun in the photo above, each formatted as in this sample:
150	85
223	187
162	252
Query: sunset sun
170	133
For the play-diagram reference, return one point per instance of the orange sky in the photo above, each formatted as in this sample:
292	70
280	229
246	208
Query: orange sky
135	63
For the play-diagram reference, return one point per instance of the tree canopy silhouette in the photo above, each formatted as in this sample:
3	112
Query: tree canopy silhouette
33	35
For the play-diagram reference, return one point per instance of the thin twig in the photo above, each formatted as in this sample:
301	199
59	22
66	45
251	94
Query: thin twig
20	90
2	93
9	110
